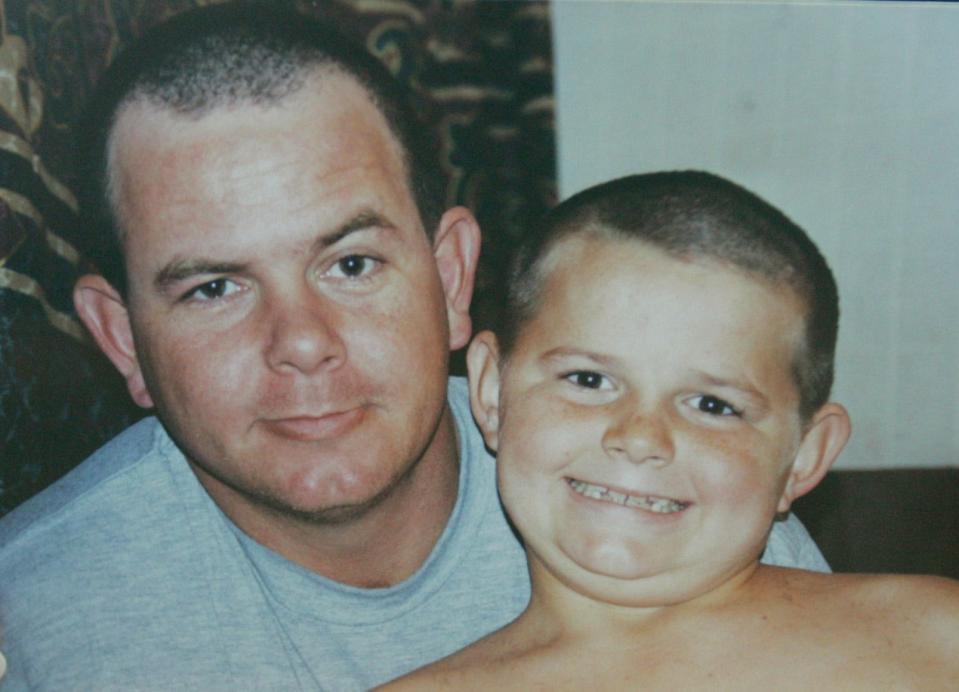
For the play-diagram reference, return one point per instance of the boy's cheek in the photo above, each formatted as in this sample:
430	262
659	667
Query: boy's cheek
537	446
741	478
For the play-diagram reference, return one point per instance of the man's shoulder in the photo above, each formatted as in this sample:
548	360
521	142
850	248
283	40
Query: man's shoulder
458	392
790	545
81	489
98	557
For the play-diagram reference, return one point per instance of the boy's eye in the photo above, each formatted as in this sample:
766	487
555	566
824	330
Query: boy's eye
713	405
212	290
588	379
353	266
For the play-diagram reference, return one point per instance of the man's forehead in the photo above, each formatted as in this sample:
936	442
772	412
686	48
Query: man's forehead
331	112
319	88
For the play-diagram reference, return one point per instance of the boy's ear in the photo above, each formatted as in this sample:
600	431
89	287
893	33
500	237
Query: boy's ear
482	362
821	445
456	248
103	312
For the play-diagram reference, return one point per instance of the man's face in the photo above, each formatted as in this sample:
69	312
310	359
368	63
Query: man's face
289	319
647	420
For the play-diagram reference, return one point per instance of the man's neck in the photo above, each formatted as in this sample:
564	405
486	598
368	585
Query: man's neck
378	547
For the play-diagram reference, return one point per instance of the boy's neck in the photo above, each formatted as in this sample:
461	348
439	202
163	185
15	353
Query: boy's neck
558	612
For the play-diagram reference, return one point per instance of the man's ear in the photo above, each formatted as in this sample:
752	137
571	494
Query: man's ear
103	312
456	248
821	445
482	362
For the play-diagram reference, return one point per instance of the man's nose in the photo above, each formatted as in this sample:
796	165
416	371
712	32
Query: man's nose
304	334
640	437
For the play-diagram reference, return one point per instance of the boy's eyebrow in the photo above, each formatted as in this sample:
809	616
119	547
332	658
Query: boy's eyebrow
566	352
740	385
178	270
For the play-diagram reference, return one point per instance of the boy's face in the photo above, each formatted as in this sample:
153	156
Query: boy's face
646	421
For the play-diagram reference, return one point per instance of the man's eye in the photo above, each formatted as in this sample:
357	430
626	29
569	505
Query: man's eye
588	379
714	406
353	266
212	290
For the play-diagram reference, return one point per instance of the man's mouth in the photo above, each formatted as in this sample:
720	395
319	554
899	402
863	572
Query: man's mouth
309	428
650	503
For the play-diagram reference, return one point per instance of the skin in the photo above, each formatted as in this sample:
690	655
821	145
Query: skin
656	378
291	321
791	630
661	377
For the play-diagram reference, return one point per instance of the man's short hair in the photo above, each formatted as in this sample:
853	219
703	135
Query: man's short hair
693	215
223	55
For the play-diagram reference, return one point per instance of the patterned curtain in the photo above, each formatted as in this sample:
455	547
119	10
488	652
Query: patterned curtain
482	73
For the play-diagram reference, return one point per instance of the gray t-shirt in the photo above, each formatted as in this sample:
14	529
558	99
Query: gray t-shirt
125	575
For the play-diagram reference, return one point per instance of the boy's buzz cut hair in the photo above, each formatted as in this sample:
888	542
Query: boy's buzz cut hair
222	56
693	215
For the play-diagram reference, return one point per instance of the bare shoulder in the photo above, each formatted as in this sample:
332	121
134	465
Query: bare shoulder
423	679
484	665
459	673
924	604
905	623
463	679
454	672
920	618
929	600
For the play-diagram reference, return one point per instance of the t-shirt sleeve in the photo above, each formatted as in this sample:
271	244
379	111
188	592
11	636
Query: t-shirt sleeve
790	545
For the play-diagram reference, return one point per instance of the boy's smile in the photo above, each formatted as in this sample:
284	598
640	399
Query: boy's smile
648	503
646	419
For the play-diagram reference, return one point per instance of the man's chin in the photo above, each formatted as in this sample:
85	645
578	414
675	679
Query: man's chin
331	512
346	513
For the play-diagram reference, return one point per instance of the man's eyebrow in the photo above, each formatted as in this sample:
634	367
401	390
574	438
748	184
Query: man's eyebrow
364	220
181	269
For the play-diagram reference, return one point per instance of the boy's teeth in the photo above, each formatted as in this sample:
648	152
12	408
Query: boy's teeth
660	505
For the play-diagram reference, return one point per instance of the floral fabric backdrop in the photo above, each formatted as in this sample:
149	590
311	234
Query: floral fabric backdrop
481	70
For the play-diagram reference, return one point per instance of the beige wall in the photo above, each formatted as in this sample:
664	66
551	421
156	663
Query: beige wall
846	116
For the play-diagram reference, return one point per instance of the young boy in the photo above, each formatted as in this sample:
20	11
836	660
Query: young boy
659	396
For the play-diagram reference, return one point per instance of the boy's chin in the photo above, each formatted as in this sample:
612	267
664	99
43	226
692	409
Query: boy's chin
634	583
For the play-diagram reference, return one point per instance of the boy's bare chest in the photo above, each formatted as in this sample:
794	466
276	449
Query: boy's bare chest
754	651
752	663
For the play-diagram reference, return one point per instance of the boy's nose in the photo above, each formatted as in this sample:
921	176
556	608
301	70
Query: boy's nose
303	335
640	438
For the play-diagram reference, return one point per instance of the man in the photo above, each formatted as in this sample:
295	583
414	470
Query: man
312	506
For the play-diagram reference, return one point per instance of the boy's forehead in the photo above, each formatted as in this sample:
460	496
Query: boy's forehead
592	240
594	251
587	249
629	302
